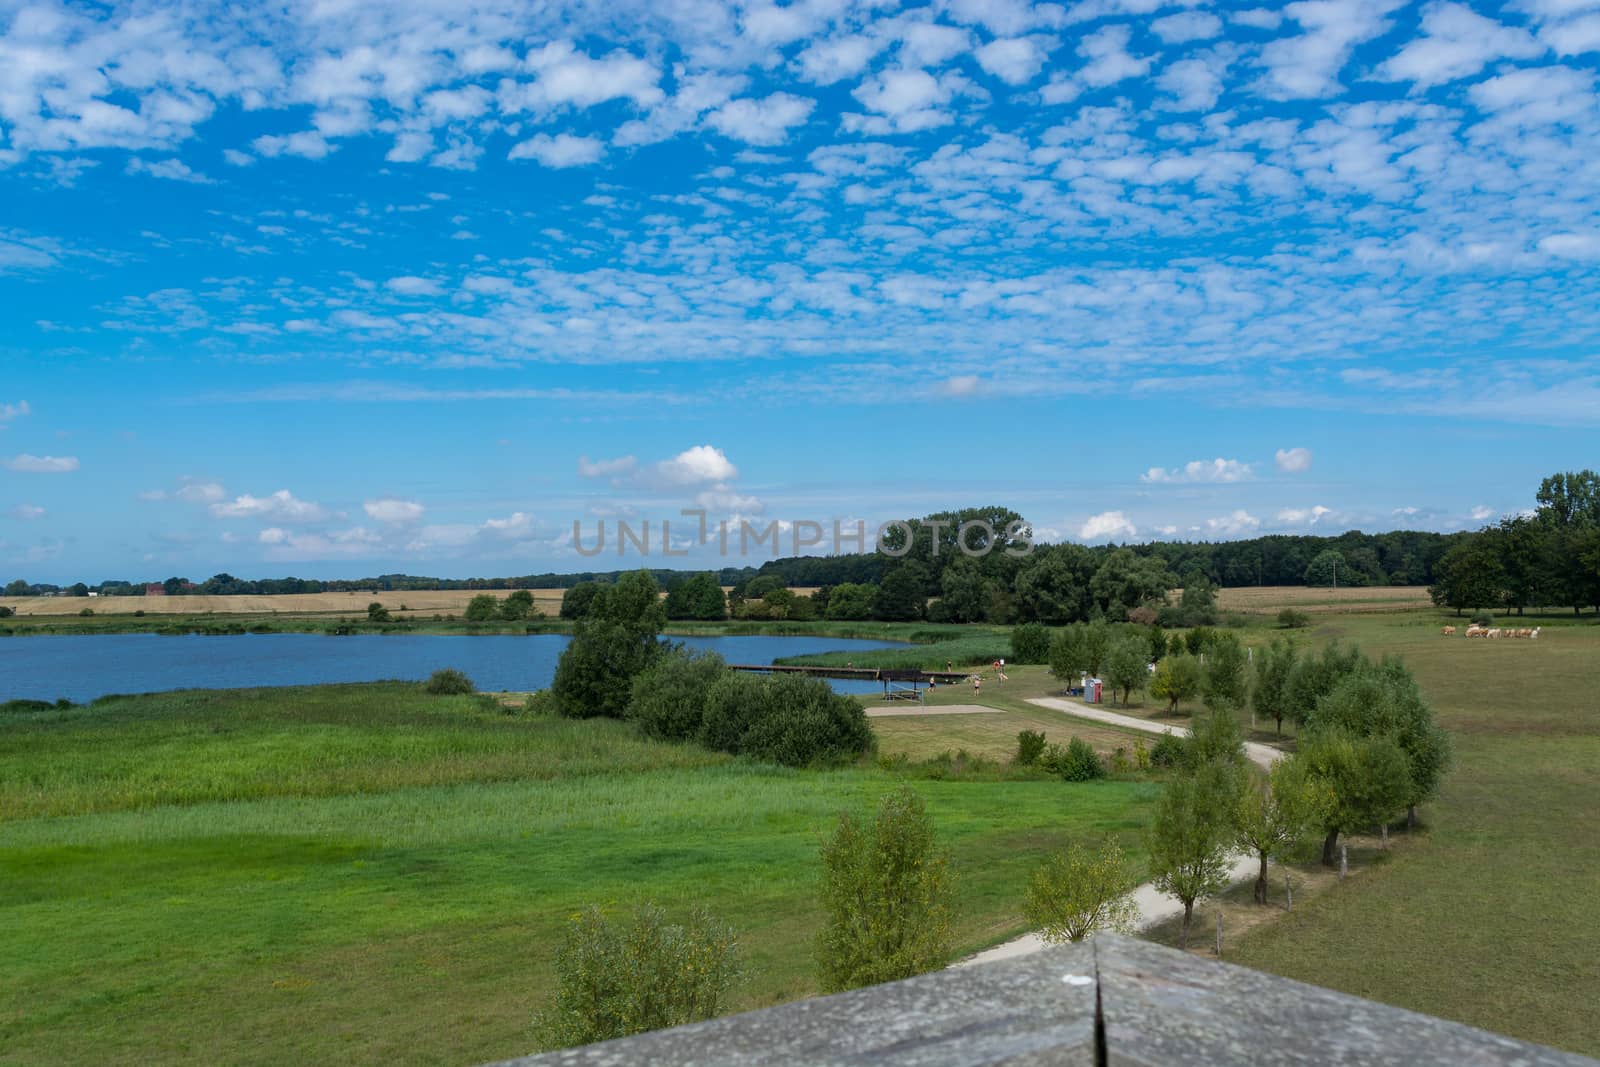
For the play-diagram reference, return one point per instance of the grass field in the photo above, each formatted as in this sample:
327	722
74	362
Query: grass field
1488	916
369	874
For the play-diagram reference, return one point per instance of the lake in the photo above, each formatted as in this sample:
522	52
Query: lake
81	668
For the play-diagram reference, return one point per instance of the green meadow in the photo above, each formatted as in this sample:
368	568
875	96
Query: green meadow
372	874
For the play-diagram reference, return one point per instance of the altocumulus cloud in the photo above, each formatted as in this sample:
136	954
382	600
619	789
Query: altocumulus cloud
31	464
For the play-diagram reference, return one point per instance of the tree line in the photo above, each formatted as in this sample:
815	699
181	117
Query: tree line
1546	557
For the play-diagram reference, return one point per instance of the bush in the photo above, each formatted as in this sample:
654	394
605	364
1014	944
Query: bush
482	608
1030	746
1168	751
1143	615
1080	762
1030	643
1482	618
540	702
787	718
139	614
6	613
669	697
449	682
519	605
376	612
613	981
86	612
886	897
1074	893
1290	619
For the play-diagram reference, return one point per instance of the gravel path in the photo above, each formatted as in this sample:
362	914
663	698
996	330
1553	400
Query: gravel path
1154	907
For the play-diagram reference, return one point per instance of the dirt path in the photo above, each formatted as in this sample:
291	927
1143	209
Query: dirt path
1154	907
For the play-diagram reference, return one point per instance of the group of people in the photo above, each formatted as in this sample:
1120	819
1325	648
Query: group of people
977	678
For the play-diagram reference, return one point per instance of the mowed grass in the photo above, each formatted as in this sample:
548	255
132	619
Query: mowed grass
371	874
1489	917
1319	601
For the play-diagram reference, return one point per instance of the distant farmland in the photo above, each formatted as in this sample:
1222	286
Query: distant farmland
1364	599
415	602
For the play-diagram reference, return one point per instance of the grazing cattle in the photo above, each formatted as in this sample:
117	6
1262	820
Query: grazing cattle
1534	632
1448	631
1495	632
1476	631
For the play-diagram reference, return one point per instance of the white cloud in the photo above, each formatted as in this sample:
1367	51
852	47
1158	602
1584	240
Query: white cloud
567	77
1482	512
1292	460
1303	516
1308	64
30	464
1201	470
763	122
26	512
961	385
1014	60
1457	43
693	466
826	62
273	535
606	468
515	527
907	99
1109	61
13	411
561	151
1187	26
281	506
307	144
171	169
393	510
1108	526
411	285
1233	524
200	492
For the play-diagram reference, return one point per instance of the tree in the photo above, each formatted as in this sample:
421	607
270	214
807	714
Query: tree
1189	837
1315	676
1128	665
1216	740
19	587
903	594
1125	580
1369	779
1326	567
1227	680
376	612
1052	585
1079	647
1076	892
1030	643
885	896
1469	577
613	981
851	601
519	605
964	589
668	698
1272	816
1274	670
576	601
482	608
611	643
1177	678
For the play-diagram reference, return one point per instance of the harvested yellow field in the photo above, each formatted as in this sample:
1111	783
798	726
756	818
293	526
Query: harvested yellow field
1263	600
414	602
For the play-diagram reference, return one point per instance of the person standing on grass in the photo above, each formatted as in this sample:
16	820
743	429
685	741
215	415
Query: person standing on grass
977	684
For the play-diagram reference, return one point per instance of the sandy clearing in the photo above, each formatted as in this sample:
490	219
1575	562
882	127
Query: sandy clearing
942	709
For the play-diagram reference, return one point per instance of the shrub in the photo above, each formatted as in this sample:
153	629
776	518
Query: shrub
519	605
669	697
1141	755
788	719
613	981
449	682
1120	764
1290	619
139	614
6	613
1482	618
1030	643
540	702
1080	762
1074	893
1143	615
482	608
1168	751
1030	745
376	612
886	897
86	612
1199	639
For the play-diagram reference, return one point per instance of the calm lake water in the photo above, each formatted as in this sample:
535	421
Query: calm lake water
84	667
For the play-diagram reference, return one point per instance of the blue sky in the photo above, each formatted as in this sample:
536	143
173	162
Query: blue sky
339	287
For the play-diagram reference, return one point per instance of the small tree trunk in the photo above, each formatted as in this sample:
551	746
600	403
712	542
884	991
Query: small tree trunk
1261	881
1188	917
1330	858
1411	817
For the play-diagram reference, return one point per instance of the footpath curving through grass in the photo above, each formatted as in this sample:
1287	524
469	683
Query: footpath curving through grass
371	874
